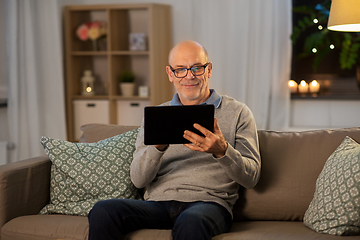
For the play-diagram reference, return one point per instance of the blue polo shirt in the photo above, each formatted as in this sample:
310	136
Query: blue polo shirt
214	99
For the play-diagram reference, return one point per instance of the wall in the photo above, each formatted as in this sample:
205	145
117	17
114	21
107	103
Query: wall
326	114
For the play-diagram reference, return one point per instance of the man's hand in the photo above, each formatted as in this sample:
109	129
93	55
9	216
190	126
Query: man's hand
213	143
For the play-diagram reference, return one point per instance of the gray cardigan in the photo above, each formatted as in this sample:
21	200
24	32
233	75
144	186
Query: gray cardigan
181	174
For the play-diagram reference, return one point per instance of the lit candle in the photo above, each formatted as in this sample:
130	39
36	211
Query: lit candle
293	86
303	87
314	86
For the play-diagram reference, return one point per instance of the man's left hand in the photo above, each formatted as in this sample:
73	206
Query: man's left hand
213	143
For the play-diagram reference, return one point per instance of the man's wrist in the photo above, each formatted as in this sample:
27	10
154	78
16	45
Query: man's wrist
161	147
221	154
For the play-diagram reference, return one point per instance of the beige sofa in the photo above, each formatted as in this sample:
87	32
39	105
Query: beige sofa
274	209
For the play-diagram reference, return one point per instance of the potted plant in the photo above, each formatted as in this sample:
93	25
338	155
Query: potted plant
321	41
126	81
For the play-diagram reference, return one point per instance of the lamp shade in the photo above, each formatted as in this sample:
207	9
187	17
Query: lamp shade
344	16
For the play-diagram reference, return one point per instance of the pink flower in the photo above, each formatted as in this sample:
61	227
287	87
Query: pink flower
91	30
82	32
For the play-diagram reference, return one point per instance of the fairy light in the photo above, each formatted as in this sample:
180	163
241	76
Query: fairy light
332	46
314	50
320	27
315	20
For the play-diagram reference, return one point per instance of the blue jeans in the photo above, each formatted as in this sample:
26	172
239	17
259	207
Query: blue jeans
112	219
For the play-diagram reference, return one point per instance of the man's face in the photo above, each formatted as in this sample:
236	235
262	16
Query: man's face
192	89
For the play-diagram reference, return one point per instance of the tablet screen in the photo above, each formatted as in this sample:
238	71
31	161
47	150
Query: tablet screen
166	124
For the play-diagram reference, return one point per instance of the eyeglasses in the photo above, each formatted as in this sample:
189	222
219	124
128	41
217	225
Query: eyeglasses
195	70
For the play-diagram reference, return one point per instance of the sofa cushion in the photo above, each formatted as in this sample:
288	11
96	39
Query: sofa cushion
46	227
84	173
290	165
335	208
274	230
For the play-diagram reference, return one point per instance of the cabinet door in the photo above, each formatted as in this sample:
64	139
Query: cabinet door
89	111
131	112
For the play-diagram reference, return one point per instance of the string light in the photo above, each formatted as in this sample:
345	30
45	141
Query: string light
332	46
314	50
320	27
315	20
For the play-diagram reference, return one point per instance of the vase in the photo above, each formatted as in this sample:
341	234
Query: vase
127	89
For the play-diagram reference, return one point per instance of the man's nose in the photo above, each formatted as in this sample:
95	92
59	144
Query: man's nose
189	74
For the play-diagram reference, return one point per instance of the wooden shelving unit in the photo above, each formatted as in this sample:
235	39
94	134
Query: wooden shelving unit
114	57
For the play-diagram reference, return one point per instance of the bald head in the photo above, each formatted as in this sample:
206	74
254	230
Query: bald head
187	49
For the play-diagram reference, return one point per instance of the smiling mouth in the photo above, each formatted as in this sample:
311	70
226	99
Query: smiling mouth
190	84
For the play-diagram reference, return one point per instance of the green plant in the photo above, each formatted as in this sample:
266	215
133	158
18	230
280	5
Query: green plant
320	41
126	77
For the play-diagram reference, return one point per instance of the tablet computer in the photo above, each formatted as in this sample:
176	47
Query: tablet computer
166	124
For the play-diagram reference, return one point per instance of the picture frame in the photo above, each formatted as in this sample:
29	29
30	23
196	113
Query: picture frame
137	41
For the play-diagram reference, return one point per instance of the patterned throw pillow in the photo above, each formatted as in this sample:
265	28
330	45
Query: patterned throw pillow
84	173
335	208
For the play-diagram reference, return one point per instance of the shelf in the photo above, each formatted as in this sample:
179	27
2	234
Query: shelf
113	57
105	53
136	98
325	96
130	53
116	97
90	97
89	53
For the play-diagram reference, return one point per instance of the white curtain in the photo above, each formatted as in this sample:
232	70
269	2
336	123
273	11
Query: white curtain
249	44
36	92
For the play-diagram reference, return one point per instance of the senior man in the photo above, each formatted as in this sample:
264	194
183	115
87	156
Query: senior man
190	188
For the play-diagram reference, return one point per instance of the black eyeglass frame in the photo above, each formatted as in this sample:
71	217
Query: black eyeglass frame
187	69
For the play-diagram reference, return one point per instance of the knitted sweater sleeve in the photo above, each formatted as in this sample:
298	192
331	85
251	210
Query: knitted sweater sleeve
242	159
146	162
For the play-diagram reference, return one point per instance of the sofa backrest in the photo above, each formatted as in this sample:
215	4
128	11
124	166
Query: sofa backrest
95	132
291	163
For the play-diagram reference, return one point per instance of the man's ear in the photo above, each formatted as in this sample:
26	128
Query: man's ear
209	69
169	73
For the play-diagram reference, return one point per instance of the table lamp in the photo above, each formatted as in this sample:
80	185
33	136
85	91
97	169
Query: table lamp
344	16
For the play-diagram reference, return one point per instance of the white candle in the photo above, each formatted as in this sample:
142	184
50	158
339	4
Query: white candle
303	87
314	86
293	86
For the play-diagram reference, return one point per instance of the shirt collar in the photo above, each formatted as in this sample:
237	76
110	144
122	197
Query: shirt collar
214	99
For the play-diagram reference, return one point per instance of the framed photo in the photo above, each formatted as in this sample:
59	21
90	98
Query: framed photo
137	41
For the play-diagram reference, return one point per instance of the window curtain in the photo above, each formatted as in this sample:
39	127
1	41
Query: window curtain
36	92
249	44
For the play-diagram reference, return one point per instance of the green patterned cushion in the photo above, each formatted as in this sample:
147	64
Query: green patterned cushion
84	173
335	208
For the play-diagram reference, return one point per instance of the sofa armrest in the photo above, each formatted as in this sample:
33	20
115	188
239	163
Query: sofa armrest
24	187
